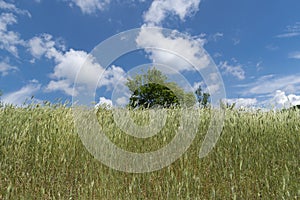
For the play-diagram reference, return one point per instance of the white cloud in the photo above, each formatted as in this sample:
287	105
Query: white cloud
211	89
103	100
122	101
90	6
270	83
235	70
236	41
68	65
11	7
71	62
196	86
215	37
290	31
214	76
294	99
214	88
38	46
272	47
158	46
5	68
281	100
9	39
7	19
276	100
160	9
61	85
242	102
295	55
259	65
107	103
20	96
288	35
217	55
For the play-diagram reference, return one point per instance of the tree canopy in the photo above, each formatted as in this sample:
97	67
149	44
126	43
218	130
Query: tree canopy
152	94
152	89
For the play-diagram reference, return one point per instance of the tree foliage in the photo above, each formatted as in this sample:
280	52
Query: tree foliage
202	97
296	107
152	94
152	89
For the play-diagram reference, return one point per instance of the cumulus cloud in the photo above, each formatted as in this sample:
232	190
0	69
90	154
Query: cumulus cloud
90	6
20	96
11	7
69	63
104	102
40	45
276	100
160	9
5	68
234	70
9	39
158	47
61	85
181	52
7	19
281	100
214	88
211	89
113	76
67	67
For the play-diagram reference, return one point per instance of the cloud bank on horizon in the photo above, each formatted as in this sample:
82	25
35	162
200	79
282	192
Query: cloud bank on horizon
41	56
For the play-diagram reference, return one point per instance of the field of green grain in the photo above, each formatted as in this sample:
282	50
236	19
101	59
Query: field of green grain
42	157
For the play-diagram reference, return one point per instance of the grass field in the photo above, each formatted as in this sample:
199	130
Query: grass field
42	157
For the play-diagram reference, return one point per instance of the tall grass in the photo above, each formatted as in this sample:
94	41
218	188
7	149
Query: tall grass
42	157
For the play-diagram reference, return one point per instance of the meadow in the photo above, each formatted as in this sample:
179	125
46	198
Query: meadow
42	157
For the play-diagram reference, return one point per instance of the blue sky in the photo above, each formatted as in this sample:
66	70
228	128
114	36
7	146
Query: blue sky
254	44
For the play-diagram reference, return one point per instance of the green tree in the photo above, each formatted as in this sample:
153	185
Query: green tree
202	97
152	94
152	89
296	107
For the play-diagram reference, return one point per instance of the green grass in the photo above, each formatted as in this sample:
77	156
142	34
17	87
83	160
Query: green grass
42	157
